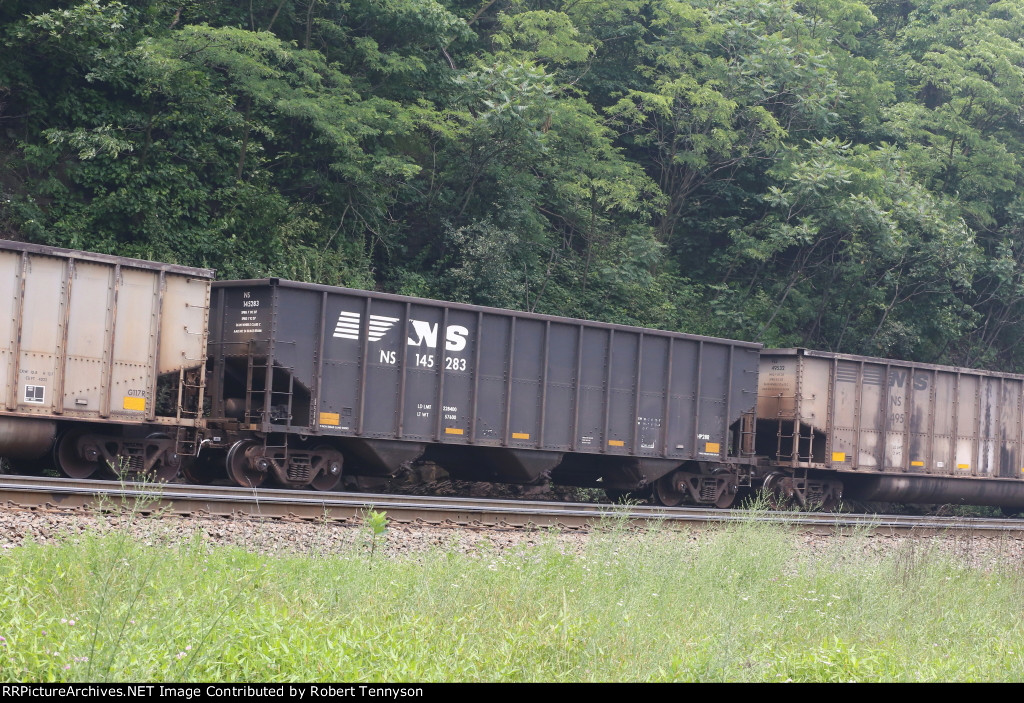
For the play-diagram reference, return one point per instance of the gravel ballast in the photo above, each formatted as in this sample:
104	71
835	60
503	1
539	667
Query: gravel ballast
270	536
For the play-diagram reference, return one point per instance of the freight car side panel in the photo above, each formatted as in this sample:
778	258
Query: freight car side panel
894	413
527	373
593	373
987	428
622	399
294	334
845	435
390	367
681	420
458	369
10	298
1011	430
89	324
892	416
184	317
423	369
379	409
919	387
41	336
132	376
942	459
650	405
710	441
562	351
492	379
86	336
342	357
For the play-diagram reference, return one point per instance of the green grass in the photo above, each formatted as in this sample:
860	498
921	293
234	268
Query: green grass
743	603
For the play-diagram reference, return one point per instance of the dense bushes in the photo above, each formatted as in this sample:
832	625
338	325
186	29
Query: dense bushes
835	174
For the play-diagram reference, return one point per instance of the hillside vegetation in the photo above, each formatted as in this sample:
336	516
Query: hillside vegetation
837	174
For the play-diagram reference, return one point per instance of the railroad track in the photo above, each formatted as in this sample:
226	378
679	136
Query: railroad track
31	492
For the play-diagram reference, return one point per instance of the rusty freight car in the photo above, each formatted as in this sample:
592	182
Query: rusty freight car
136	368
888	430
307	379
102	360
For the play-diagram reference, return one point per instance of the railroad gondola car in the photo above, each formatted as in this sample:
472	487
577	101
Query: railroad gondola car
310	380
140	369
832	425
102	361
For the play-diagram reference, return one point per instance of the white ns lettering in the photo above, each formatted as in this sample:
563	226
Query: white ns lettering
426	333
455	338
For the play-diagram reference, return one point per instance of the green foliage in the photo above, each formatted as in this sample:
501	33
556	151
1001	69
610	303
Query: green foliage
108	607
376	524
839	173
543	35
849	242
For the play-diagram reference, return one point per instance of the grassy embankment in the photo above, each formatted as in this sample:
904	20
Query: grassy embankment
744	603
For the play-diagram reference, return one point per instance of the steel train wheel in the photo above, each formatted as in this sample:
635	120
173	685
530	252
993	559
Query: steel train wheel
203	469
725	500
164	472
238	467
665	493
729	495
329	476
69	461
778	491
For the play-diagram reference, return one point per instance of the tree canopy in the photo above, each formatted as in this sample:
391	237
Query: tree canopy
836	174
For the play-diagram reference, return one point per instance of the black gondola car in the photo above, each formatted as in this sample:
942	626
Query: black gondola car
305	378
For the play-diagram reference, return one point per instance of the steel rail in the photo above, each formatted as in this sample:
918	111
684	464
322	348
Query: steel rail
33	492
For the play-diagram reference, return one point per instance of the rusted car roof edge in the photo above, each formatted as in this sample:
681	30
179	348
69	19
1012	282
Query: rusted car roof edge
903	363
45	250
